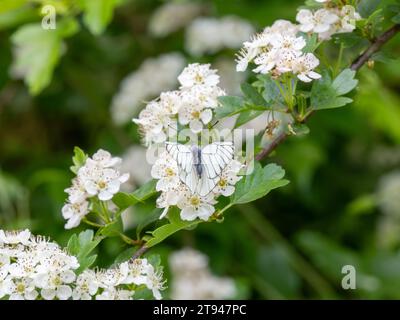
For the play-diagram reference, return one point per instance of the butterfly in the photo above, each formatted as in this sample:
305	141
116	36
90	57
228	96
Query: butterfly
201	168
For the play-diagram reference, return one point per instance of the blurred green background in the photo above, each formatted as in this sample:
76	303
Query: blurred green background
342	205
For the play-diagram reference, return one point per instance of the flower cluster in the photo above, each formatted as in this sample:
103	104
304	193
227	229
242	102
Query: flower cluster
36	268
328	21
210	35
142	85
193	280
172	16
175	193
278	50
191	105
98	177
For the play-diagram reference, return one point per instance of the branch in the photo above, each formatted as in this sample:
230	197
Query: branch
356	65
374	47
139	252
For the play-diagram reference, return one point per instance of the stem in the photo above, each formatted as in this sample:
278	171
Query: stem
91	223
374	47
260	223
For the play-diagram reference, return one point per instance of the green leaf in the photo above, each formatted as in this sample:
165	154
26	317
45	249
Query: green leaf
39	51
113	229
78	159
367	7
125	255
175	225
345	82
311	43
271	94
230	105
81	246
252	94
149	219
247	116
124	200
259	183
326	94
98	14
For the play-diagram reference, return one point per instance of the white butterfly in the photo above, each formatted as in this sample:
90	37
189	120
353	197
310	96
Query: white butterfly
200	168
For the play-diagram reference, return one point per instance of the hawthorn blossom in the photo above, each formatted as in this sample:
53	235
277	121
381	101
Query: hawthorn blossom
98	177
198	74
304	67
194	206
37	268
190	105
229	177
192	278
209	35
318	22
278	50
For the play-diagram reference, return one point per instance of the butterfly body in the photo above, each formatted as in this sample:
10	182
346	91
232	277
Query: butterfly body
196	152
200	168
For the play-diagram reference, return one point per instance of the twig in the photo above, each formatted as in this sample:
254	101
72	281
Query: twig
139	252
356	65
374	47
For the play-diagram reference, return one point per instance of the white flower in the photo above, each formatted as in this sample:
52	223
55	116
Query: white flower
194	115
304	67
348	20
229	177
77	192
86	286
103	182
15	237
104	159
318	22
114	294
166	170
198	74
194	206
135	272
74	213
22	289
55	284
154	281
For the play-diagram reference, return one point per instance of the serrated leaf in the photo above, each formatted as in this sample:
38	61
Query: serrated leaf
229	106
163	232
326	94
81	246
259	183
113	229
39	51
150	218
247	116
252	94
345	82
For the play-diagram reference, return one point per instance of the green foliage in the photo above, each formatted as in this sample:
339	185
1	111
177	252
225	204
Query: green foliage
39	51
175	225
78	159
113	229
259	183
81	246
124	200
326	94
98	14
230	106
